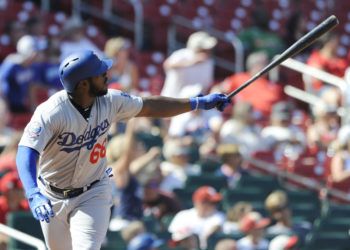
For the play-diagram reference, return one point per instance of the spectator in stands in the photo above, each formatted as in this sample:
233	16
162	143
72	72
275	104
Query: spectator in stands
253	226
210	139
196	125
326	58
280	135
8	154
278	207
242	129
185	239
20	79
145	241
284	242
295	28
13	31
123	72
74	39
50	66
262	94
6	132
339	177
157	203
190	67
133	229
176	167
234	215
204	218
226	244
127	157
231	166
12	195
259	37
325	125
36	27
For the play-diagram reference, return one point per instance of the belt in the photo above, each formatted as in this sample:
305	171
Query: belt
69	192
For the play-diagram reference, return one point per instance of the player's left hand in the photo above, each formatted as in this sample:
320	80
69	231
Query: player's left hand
40	206
219	101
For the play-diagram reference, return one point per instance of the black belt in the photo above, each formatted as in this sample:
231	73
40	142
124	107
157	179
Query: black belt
70	192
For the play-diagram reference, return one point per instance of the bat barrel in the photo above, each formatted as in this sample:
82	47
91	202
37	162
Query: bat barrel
294	49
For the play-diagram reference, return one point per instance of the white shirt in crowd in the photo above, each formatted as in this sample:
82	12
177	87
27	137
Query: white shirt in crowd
246	244
200	226
178	78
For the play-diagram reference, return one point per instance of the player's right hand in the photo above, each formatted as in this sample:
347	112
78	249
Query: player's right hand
40	206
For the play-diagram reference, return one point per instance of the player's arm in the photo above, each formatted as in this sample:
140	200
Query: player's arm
160	106
26	161
120	168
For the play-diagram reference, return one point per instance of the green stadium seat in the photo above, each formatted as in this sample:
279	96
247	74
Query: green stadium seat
325	241
253	195
166	220
195	181
305	211
185	196
339	211
114	241
302	196
263	182
329	224
209	165
24	222
214	238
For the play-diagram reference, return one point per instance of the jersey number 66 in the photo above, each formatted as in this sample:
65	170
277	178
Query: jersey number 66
98	151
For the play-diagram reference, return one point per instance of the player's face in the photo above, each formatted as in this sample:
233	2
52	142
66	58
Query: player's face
98	85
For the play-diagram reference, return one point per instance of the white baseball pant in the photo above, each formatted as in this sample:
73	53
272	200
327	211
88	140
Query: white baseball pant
80	223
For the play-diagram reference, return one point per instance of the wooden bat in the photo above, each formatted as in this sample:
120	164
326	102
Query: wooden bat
294	49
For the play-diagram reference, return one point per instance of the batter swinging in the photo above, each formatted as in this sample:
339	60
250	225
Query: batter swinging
61	156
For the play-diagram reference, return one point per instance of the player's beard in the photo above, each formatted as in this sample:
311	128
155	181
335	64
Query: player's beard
94	91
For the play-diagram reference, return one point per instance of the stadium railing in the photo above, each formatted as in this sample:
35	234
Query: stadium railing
23	237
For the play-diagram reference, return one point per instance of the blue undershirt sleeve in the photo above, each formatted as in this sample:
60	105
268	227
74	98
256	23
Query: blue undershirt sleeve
26	160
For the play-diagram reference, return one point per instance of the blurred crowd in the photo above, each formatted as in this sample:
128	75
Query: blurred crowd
152	160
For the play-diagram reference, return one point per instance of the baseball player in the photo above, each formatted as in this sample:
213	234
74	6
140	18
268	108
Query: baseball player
61	156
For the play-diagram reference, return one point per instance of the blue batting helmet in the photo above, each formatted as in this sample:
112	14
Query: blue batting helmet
81	65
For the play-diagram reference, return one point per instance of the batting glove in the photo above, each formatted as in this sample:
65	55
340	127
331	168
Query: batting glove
219	101
40	205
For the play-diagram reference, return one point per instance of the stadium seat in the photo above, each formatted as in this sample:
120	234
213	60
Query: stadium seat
253	195
264	182
209	165
214	238
114	241
305	211
185	196
327	241
24	222
196	181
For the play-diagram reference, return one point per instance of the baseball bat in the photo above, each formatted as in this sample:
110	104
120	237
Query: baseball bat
294	49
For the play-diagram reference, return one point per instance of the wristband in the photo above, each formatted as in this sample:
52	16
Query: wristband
31	192
194	102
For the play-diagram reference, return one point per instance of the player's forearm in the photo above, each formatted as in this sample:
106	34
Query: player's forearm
26	166
159	106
